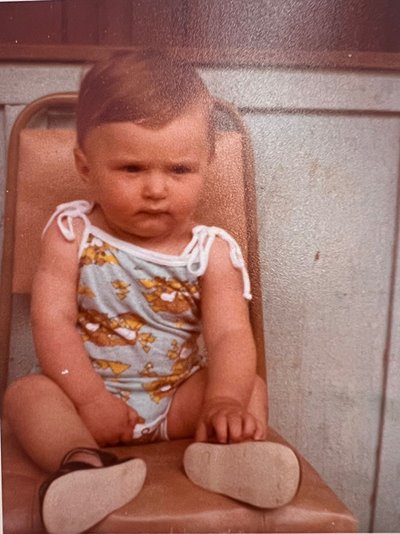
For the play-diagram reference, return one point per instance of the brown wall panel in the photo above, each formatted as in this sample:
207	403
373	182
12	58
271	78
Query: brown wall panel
29	22
290	24
362	24
218	24
159	23
115	22
392	25
80	21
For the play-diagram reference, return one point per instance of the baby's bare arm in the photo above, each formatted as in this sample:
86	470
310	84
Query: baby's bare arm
54	314
231	352
59	347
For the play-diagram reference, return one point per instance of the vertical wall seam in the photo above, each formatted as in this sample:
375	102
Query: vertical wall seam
386	354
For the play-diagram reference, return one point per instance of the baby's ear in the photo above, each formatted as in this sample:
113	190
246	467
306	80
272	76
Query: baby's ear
81	163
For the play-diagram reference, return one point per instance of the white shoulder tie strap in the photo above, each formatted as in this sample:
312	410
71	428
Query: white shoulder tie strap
66	213
204	237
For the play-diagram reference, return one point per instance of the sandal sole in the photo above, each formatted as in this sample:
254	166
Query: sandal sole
264	474
80	499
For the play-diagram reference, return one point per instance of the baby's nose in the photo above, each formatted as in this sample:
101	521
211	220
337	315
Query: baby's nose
155	186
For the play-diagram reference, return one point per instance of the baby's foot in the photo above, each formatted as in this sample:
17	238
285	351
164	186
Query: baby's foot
80	495
261	473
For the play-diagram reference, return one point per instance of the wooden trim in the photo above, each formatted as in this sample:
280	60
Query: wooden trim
233	57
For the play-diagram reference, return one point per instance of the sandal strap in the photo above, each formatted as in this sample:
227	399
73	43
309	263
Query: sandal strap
107	458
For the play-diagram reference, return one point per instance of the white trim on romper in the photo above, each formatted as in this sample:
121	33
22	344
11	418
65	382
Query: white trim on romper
195	253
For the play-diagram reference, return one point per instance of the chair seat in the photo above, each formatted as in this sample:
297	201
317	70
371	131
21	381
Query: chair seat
170	502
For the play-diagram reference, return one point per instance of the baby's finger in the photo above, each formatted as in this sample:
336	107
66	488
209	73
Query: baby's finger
220	426
201	432
260	433
249	427
235	428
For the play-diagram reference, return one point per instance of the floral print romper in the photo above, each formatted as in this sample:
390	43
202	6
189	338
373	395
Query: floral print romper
139	313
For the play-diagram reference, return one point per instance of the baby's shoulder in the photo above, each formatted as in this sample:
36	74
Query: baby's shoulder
219	241
54	231
220	251
69	220
218	245
223	258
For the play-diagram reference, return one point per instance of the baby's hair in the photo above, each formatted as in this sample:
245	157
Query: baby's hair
143	87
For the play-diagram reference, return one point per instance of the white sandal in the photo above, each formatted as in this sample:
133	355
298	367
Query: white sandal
79	495
262	473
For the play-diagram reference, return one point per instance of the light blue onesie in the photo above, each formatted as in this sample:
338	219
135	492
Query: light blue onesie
139	313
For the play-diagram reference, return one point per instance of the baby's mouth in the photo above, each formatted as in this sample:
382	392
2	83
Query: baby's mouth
152	213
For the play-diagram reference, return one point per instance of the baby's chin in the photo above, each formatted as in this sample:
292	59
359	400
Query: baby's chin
156	235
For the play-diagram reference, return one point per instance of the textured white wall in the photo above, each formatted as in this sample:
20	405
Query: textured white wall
327	167
327	207
327	174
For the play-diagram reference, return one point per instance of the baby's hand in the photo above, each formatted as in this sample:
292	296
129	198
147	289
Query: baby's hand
227	421
109	419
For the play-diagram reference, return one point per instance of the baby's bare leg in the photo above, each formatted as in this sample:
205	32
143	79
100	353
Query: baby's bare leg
48	427
46	422
188	401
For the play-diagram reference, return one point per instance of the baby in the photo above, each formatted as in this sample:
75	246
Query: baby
138	289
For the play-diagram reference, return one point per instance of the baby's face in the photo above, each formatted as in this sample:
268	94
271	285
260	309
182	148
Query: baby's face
147	181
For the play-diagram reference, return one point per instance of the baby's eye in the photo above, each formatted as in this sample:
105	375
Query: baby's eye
132	168
181	169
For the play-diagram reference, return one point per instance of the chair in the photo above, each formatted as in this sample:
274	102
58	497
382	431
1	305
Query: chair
41	175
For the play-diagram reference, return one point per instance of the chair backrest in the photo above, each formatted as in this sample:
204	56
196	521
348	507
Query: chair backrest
41	174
